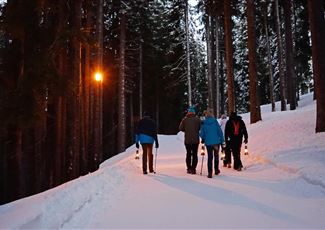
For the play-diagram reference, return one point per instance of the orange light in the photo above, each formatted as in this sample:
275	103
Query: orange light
98	76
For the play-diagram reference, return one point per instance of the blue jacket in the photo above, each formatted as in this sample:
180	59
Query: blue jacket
144	139
211	132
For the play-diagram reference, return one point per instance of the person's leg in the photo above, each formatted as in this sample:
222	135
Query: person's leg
150	156
216	159
239	158
144	158
188	158
210	157
228	154
194	157
235	148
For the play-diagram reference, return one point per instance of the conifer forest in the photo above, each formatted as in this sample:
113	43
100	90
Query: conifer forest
77	75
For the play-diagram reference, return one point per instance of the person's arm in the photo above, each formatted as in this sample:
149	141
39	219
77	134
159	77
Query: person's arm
137	141
156	137
227	131
220	133
202	133
245	132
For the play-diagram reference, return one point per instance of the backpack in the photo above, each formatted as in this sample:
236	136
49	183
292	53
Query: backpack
236	127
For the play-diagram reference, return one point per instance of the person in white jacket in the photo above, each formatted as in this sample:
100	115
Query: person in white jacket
227	160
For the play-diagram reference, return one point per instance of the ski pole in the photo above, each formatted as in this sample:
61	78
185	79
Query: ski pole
202	154
155	162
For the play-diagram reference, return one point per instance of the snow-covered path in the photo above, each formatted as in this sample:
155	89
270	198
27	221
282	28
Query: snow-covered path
173	199
282	187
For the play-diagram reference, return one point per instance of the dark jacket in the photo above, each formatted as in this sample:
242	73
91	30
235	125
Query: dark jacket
190	125
148	127
230	128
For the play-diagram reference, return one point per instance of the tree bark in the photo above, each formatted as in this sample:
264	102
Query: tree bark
229	58
317	22
188	60
289	55
140	79
121	138
271	82
255	111
210	57
217	80
280	51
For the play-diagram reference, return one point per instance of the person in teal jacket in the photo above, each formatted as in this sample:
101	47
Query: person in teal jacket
212	136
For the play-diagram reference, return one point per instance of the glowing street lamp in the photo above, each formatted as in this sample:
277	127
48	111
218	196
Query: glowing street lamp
98	76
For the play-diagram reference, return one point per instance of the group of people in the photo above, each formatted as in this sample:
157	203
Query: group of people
227	134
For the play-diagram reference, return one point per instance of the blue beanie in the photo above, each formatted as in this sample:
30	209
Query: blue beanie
191	110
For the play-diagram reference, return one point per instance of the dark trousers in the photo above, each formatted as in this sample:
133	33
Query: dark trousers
235	145
227	150
191	155
147	153
213	151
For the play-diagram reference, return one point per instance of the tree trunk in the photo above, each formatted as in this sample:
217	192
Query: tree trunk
100	67
271	82
289	54
19	162
255	112
140	79
3	165
210	57
75	97
280	51
121	88
217	80
229	58
188	60
222	85
317	22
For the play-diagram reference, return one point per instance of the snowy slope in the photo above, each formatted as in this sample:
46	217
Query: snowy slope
283	186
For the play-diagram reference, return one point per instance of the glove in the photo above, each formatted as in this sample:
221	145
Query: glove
137	145
245	141
156	145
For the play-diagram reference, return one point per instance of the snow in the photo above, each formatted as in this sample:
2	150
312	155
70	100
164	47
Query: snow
282	186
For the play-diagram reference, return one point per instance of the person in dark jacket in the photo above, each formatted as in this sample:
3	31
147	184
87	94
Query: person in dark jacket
234	132
146	134
212	137
190	125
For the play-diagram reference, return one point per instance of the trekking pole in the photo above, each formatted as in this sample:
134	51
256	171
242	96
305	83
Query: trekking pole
155	162
202	154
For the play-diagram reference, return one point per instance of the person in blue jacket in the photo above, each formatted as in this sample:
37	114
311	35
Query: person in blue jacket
212	136
146	134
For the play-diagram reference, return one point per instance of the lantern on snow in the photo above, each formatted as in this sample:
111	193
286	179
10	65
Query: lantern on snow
246	150
223	155
202	150
137	154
